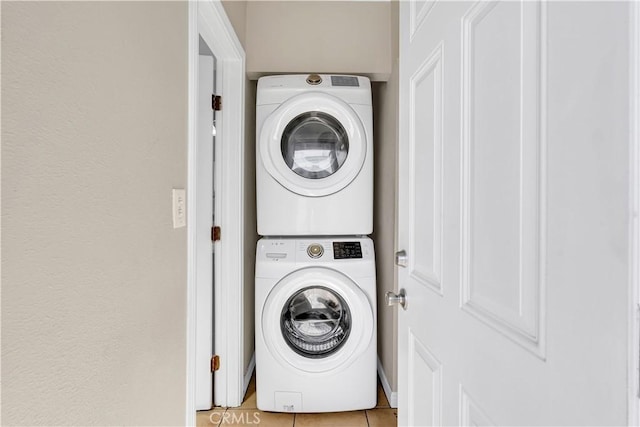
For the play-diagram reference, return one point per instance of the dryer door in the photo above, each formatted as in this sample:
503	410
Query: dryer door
317	320
314	144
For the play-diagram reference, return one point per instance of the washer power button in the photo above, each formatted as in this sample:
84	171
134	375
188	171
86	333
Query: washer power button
315	250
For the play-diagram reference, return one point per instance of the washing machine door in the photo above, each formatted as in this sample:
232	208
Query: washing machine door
317	320
314	144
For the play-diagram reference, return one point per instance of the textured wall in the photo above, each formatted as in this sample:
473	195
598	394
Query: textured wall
385	111
236	11
318	36
94	126
250	226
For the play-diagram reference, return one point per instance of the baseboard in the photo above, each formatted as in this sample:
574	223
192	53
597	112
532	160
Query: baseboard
248	374
392	396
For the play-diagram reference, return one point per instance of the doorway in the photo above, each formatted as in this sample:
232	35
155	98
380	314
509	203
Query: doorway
205	190
208	21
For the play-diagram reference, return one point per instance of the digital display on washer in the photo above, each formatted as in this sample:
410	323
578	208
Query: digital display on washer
344	81
345	250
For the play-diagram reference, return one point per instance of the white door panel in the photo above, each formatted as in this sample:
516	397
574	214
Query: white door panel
204	214
513	211
502	172
425	171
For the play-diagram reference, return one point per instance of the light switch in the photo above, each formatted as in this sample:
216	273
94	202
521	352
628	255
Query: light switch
179	207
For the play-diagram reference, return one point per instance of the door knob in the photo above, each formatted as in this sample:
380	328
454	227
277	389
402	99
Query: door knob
393	299
401	258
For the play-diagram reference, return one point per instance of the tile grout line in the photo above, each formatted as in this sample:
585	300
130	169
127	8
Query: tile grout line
366	417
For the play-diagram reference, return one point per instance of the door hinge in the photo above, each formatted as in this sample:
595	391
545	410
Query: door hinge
216	102
215	233
215	363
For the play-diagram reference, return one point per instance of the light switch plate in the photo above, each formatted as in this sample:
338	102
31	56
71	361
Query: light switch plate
179	207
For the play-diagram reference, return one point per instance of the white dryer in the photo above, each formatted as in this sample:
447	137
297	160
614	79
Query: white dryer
314	155
315	324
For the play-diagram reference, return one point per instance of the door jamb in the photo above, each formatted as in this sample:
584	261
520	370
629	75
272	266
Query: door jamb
209	20
634	221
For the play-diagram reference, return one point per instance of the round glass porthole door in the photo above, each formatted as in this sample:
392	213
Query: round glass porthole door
315	322
314	145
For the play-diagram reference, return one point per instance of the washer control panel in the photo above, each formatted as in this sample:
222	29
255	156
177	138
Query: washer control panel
346	250
276	250
318	249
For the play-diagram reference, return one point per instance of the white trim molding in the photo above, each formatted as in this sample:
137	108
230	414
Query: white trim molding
634	213
392	396
207	19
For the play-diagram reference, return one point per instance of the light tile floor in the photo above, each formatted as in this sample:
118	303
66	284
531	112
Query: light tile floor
248	415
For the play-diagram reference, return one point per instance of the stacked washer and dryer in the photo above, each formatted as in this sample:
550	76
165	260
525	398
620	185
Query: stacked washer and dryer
315	301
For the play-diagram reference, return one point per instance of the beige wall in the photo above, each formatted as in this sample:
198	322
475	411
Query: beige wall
385	112
250	225
236	11
350	37
94	137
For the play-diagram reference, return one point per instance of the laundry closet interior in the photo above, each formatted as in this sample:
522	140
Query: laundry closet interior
515	128
332	42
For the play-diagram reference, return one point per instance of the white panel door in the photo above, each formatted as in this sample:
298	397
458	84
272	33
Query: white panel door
513	212
204	221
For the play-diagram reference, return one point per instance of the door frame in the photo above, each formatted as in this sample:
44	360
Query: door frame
634	212
206	264
209	20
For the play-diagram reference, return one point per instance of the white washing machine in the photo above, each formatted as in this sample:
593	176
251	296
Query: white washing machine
314	155
315	324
